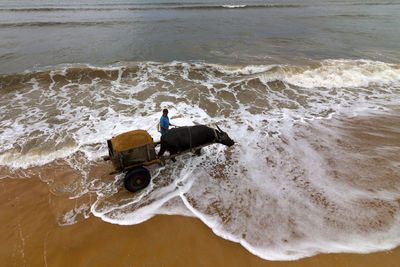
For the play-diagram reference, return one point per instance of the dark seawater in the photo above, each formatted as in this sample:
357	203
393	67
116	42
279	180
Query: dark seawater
45	33
309	90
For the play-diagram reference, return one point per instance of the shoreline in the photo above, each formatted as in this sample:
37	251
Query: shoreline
32	236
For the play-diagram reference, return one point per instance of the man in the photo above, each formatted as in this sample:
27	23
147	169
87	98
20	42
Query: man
164	122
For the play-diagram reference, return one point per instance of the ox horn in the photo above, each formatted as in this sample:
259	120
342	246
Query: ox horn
219	129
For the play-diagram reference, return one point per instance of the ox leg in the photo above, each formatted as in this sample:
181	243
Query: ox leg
173	151
162	150
198	152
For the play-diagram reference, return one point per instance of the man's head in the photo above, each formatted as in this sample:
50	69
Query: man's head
165	112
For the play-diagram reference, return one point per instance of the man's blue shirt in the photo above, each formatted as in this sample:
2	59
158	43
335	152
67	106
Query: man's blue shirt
164	122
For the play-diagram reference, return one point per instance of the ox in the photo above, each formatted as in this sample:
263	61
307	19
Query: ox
180	139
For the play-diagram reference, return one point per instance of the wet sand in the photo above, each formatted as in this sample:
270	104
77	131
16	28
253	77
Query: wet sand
31	236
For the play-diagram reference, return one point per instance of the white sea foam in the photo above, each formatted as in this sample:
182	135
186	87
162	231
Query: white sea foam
345	73
14	159
70	217
234	6
274	192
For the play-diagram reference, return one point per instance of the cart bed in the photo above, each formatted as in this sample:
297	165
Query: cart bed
131	149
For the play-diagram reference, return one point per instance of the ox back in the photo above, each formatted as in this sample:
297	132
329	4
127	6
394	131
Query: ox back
183	138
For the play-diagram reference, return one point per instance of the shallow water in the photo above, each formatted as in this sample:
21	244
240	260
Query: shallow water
315	166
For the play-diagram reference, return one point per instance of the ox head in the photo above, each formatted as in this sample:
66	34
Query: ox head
223	138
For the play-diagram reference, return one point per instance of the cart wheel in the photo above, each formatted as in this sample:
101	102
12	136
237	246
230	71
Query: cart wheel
137	179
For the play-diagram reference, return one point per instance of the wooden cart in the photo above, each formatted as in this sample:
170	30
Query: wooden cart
131	151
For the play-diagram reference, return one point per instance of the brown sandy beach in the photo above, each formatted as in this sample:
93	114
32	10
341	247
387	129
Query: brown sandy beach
31	236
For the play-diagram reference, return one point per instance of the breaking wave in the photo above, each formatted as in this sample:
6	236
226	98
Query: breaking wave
174	6
301	178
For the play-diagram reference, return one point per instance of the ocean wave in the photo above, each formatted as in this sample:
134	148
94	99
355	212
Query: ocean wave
338	83
346	16
308	140
234	6
64	23
374	4
127	8
339	74
327	73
